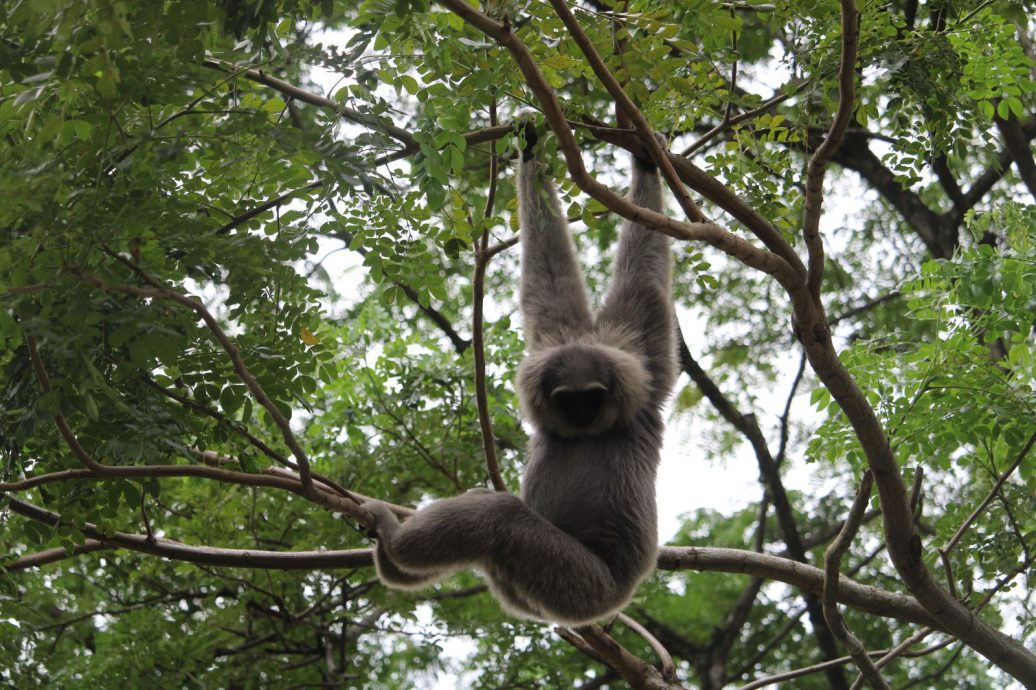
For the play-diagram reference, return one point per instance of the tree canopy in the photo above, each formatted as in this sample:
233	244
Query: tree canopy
257	263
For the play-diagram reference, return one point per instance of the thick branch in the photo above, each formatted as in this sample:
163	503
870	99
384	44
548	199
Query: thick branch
984	182
904	543
862	597
804	577
1017	143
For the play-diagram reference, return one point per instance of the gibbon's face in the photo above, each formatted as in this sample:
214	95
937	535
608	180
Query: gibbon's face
579	390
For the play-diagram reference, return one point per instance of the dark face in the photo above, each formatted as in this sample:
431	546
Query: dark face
580	390
580	407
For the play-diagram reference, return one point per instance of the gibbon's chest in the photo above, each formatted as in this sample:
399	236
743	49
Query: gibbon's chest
587	484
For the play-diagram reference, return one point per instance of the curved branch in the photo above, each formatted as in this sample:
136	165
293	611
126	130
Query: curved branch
627	108
804	577
818	164
664	658
174	550
832	563
634	670
235	357
707	232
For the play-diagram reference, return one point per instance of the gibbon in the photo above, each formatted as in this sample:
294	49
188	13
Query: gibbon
583	534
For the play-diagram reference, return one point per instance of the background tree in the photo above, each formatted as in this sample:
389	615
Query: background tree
194	403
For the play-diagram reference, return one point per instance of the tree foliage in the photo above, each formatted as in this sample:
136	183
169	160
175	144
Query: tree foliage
197	388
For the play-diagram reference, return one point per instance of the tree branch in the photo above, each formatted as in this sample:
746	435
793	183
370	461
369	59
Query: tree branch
668	668
833	140
478	290
174	550
832	564
60	553
989	496
635	671
799	575
770	475
862	597
626	106
242	371
1017	143
270	478
708	232
460	344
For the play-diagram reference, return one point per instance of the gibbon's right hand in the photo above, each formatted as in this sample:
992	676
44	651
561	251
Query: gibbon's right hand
530	140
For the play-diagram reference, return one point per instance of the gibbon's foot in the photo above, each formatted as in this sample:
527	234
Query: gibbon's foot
384	518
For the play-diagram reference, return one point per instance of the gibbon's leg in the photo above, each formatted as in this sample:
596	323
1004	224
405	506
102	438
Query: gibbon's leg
554	300
535	569
640	296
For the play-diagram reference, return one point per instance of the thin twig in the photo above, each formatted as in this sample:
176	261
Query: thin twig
747	115
866	306
478	289
895	652
785	417
233	353
59	419
817	668
990	496
269	478
174	550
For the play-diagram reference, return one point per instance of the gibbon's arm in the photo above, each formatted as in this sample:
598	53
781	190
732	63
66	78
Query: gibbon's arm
554	300
640	297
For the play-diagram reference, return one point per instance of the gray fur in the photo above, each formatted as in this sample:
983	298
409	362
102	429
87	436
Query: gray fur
574	547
